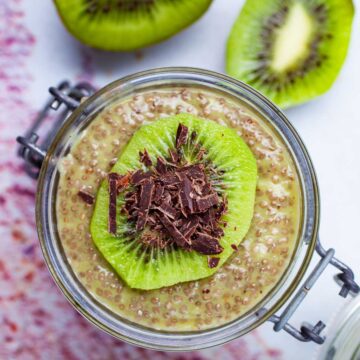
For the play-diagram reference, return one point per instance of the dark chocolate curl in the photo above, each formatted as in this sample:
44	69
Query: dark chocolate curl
145	158
189	227
213	262
159	190
206	244
174	156
146	193
194	172
112	178
138	176
86	197
161	166
175	234
205	203
185	198
168	210
170	179
181	135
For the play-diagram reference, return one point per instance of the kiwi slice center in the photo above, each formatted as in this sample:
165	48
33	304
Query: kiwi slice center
291	37
291	45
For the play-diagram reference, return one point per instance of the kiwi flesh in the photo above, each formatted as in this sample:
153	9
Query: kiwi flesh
155	267
123	25
292	50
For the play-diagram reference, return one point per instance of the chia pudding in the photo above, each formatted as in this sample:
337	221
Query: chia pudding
256	265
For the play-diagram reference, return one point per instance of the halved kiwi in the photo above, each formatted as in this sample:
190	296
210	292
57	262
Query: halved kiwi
151	268
127	24
291	50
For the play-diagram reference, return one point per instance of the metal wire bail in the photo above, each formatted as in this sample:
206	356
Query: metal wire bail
64	95
307	331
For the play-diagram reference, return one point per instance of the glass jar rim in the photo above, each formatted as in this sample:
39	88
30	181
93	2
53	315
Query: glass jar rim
100	315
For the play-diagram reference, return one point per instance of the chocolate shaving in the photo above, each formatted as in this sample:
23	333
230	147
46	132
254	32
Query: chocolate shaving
145	158
86	197
205	203
186	201
170	179
174	202
113	178
152	220
138	176
176	235
168	210
195	172
213	262
206	244
181	135
189	228
174	156
146	193
159	190
160	166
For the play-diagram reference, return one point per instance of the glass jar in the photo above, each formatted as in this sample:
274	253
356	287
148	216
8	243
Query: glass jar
81	114
343	340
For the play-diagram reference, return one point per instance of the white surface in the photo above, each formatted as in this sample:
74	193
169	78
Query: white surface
330	127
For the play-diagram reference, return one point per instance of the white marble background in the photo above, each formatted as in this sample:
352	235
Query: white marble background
330	126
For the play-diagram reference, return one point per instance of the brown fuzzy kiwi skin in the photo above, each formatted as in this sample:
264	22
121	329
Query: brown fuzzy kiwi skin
124	48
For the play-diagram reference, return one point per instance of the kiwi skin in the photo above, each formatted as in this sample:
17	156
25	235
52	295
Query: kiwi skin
251	42
126	25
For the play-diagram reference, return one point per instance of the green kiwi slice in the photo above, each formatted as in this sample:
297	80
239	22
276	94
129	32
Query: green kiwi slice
123	25
234	178
292	50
